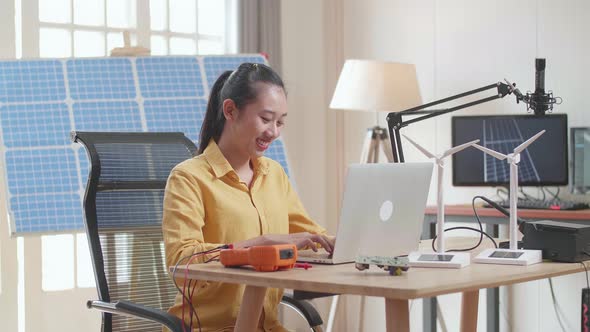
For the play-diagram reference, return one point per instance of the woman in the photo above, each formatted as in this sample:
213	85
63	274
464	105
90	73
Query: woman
230	193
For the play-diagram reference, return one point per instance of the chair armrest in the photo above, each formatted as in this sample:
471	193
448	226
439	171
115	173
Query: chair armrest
305	308
122	307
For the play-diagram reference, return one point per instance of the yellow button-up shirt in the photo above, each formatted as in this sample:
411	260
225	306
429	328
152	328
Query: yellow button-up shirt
205	206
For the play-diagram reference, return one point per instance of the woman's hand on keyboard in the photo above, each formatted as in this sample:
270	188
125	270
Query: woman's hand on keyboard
301	240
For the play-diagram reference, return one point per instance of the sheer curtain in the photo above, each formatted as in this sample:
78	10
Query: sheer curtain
259	29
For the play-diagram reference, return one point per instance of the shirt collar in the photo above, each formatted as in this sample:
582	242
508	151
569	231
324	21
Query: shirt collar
221	166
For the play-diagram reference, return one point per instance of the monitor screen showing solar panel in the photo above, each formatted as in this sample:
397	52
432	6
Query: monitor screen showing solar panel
543	163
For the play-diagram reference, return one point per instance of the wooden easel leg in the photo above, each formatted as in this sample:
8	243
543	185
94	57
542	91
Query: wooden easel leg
386	146
367	145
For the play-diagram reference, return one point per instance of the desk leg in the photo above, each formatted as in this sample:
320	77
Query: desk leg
469	311
250	309
397	315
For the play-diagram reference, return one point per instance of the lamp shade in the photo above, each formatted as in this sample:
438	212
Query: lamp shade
369	85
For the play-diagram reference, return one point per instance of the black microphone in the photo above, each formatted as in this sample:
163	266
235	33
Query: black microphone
540	101
540	76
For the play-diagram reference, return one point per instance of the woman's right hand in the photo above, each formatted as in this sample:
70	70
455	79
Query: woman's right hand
301	240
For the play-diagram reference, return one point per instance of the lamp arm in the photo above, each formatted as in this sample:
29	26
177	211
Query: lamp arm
395	121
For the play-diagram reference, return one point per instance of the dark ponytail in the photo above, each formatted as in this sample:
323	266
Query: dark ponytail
238	86
214	120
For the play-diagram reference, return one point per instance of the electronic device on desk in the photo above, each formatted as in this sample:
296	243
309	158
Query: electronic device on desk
580	159
544	163
262	258
547	204
563	241
394	265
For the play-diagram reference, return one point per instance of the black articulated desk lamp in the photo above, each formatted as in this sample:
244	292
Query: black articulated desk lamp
395	119
539	102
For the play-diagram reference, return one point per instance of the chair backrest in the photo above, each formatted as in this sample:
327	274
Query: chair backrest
123	207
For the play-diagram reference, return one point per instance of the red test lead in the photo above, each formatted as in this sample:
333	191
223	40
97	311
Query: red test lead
303	265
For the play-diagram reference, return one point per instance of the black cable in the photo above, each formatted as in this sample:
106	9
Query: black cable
502	210
470	229
190	297
527	196
214	258
480	230
555	306
503	192
192	309
555	195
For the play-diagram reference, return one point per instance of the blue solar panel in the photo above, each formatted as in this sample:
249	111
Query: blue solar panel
101	79
42	101
185	115
171	77
48	171
215	66
276	151
30	125
107	116
31	81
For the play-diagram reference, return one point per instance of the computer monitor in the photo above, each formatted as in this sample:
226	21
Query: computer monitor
580	156
543	163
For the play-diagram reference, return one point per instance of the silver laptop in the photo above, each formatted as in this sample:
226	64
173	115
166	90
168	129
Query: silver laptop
382	212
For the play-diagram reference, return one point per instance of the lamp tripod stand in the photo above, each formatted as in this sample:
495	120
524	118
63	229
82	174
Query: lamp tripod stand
376	140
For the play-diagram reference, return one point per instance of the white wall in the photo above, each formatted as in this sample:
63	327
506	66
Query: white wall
457	45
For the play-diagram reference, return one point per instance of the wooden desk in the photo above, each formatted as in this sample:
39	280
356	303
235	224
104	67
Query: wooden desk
397	290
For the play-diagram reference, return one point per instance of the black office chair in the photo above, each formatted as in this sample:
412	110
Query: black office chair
123	207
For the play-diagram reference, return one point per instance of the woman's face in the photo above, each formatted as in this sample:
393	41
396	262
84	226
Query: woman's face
260	122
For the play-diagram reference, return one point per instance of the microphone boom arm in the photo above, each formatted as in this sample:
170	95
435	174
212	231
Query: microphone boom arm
395	121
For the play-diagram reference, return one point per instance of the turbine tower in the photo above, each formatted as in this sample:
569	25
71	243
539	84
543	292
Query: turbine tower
519	257
456	260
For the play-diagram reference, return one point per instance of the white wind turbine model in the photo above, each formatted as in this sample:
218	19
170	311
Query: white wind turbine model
440	258
512	256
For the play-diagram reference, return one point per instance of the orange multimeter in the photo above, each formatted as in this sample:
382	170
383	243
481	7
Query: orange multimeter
262	258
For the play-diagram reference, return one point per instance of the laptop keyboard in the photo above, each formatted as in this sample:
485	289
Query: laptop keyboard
314	254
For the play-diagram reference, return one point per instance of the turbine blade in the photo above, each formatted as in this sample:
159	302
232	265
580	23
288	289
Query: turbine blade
423	150
526	143
459	148
491	152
